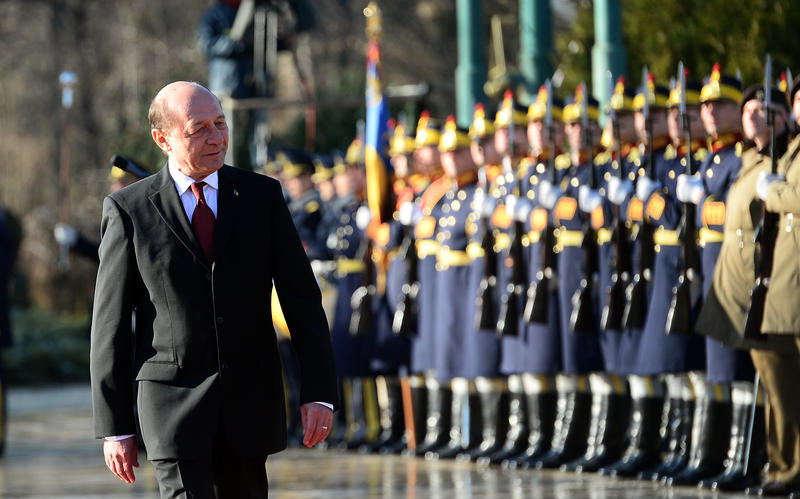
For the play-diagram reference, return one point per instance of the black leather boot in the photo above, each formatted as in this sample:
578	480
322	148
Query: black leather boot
356	434
540	396
677	431
736	477
438	421
493	395
464	431
390	405
608	428
517	435
571	429
710	435
644	439
679	440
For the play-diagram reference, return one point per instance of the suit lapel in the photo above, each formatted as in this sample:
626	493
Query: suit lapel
168	205
227	209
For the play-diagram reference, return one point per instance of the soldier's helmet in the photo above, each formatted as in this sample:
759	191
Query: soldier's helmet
510	111
428	131
573	111
537	111
453	137
721	87
657	95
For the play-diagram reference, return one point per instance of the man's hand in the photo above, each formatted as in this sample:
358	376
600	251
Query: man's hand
317	420
121	458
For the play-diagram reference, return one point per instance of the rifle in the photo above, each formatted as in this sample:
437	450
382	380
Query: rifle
765	233
538	303
404	321
611	317
508	320
581	320
635	312
129	166
486	316
361	300
679	316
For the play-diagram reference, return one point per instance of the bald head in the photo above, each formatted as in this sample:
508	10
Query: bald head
187	123
177	93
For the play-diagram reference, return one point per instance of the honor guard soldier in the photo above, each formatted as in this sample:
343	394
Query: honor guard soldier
622	214
734	278
579	289
428	395
733	274
708	190
533	357
304	207
460	352
323	184
483	288
509	140
396	245
675	354
779	371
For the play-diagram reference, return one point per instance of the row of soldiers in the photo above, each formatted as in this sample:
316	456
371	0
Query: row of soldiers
580	309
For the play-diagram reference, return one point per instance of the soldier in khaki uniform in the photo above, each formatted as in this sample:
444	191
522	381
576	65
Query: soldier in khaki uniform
780	370
734	275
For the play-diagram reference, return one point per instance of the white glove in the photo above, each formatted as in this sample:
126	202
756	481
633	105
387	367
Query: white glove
484	204
689	189
618	190
645	187
410	213
548	194
65	235
518	208
363	217
588	199
766	179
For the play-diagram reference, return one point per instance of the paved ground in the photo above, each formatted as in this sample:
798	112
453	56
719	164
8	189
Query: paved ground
51	454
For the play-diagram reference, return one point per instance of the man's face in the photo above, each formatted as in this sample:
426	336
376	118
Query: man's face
754	118
536	136
198	138
325	189
719	117
658	118
427	158
297	186
625	127
400	164
457	162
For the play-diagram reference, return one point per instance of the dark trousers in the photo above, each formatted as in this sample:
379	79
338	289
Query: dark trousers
780	373
222	475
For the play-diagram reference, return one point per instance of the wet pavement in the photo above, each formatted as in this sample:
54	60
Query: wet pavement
51	453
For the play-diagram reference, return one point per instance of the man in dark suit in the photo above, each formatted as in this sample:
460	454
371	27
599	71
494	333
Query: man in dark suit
195	250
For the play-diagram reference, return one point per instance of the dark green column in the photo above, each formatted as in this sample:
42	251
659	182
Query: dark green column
471	69
608	53
536	43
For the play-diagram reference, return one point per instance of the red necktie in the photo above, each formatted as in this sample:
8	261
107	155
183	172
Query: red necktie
203	220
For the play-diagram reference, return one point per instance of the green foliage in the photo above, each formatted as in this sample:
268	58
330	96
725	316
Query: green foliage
738	35
47	349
